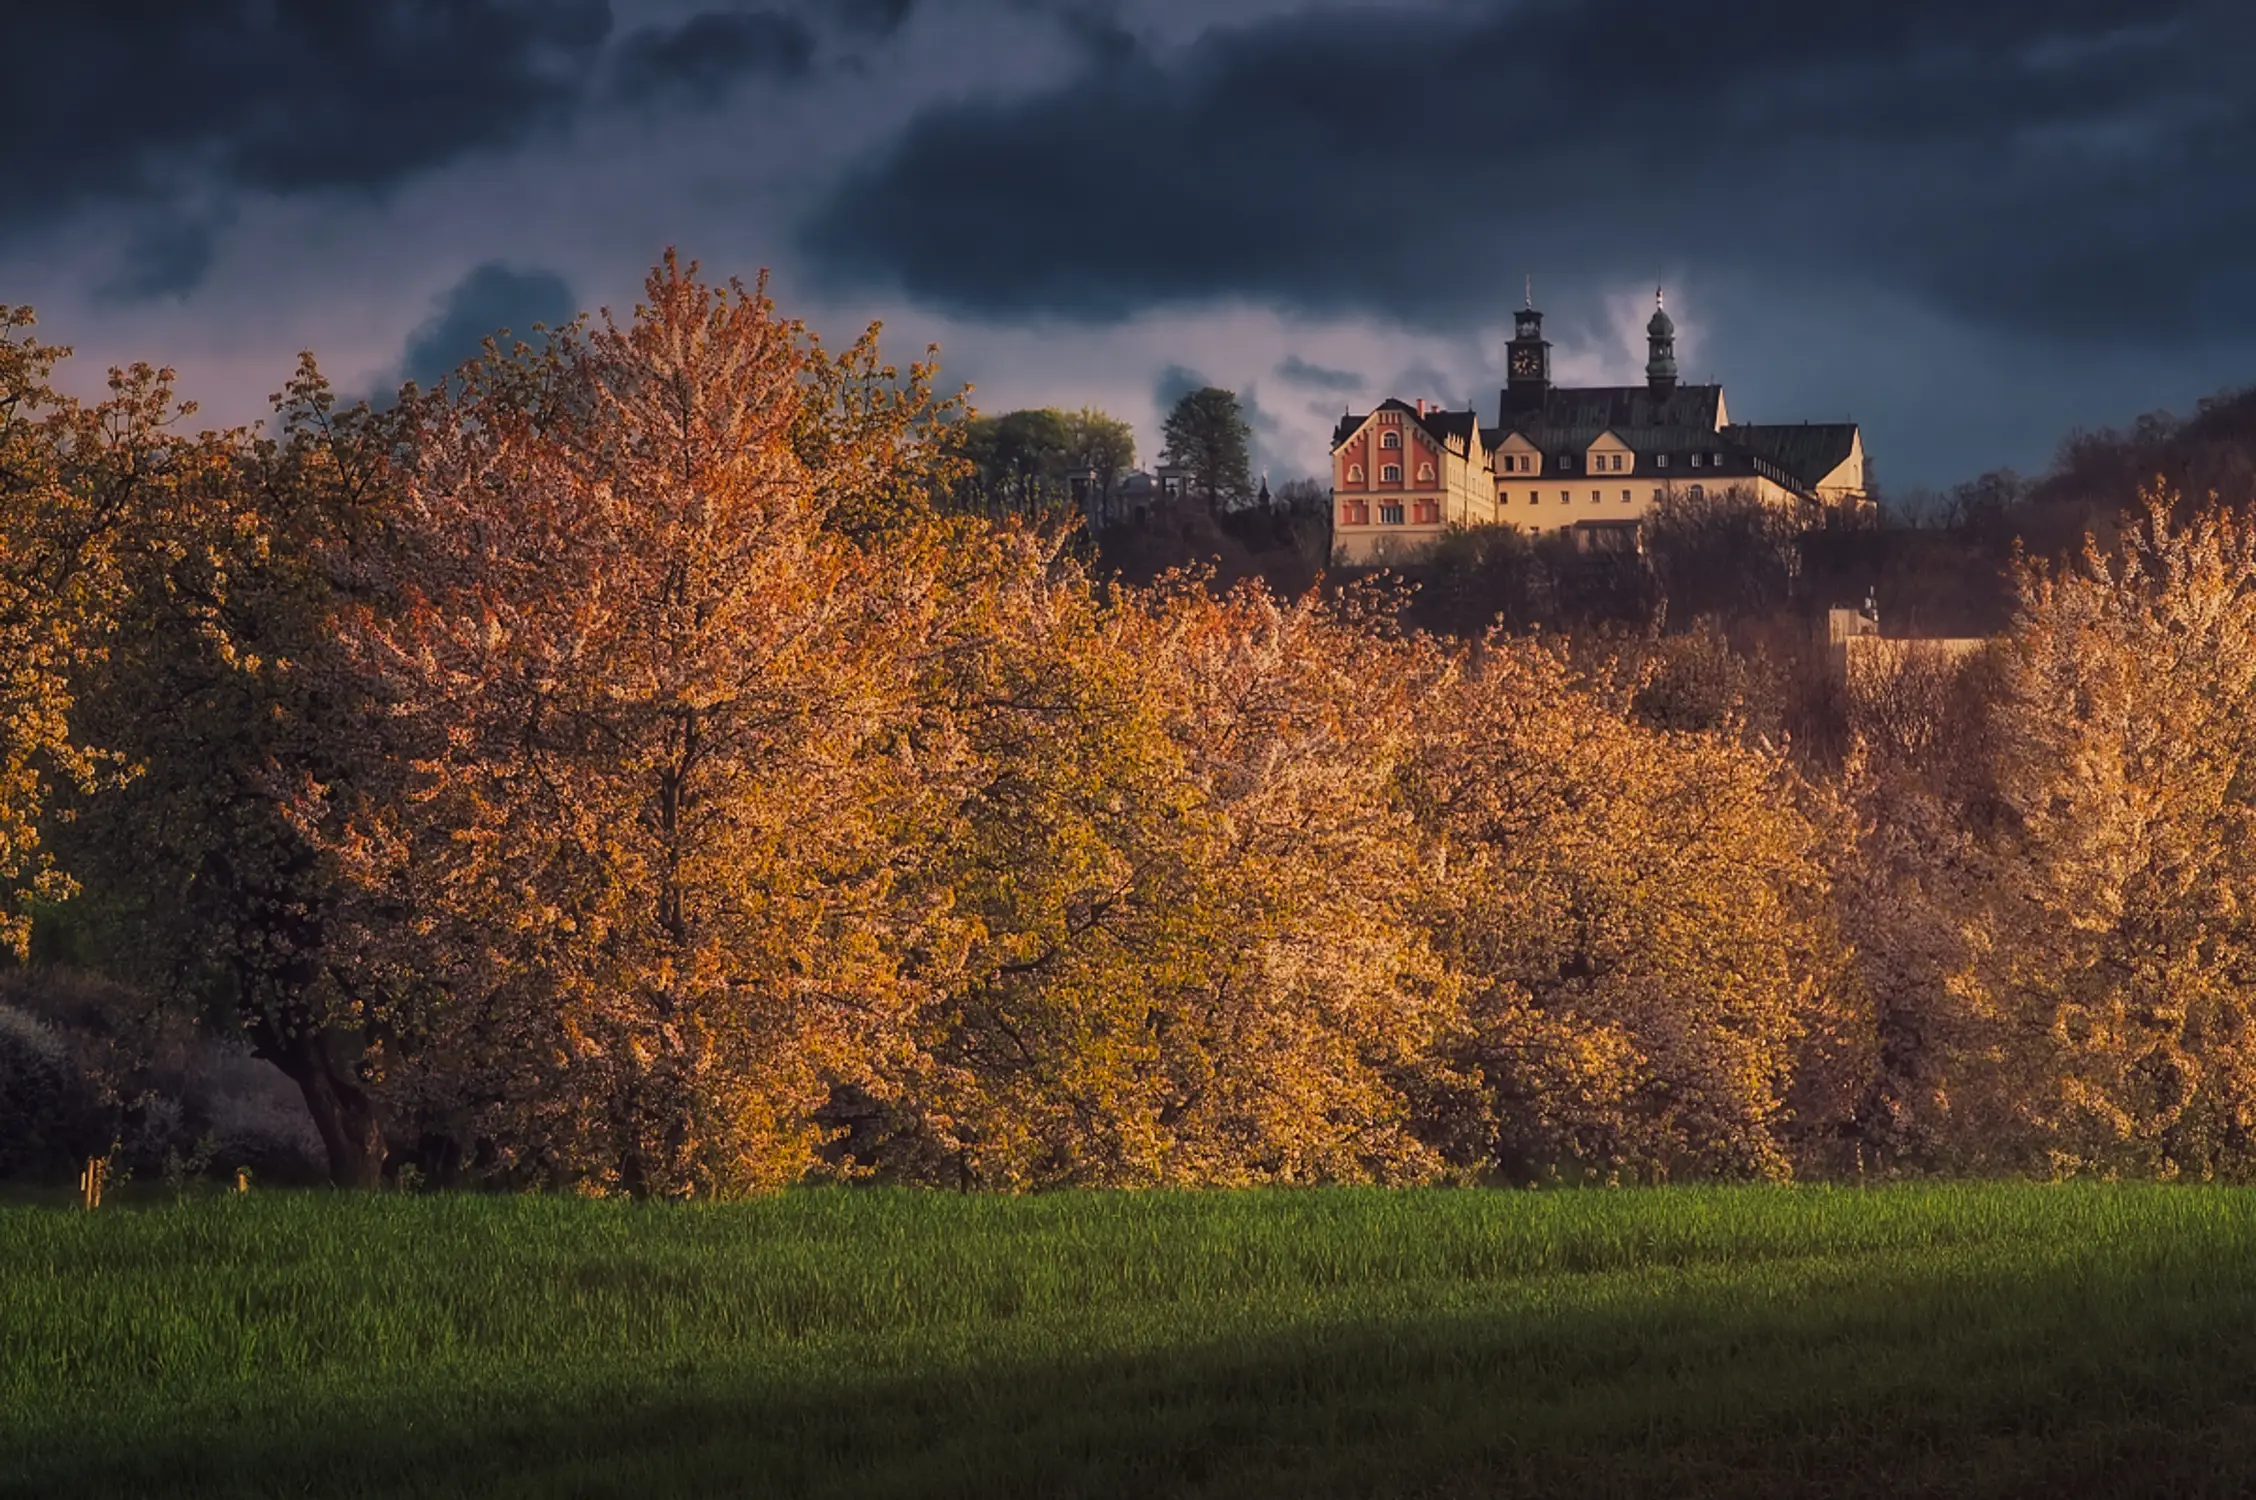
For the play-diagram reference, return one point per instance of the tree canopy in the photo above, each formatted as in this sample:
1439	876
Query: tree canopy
1209	438
631	766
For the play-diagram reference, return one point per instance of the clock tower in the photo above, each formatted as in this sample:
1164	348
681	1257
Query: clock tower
1527	362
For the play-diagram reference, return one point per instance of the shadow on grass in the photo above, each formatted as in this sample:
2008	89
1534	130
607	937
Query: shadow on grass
2136	1378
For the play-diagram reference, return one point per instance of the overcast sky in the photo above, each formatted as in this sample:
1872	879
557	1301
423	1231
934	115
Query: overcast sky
1972	224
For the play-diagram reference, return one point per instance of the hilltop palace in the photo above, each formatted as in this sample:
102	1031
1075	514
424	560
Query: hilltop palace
1590	461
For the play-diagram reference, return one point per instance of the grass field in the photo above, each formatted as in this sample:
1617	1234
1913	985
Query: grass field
1960	1340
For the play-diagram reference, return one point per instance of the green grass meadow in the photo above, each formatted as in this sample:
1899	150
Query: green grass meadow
1976	1340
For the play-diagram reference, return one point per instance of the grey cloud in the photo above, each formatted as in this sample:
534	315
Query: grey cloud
1422	379
2030	165
704	57
871	17
160	105
1173	384
125	98
1297	371
491	298
168	258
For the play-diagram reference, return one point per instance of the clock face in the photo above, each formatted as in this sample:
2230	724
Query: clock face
1526	362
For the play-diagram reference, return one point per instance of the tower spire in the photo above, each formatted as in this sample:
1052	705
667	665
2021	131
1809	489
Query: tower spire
1660	334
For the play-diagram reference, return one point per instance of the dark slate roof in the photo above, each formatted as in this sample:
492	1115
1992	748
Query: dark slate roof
1572	416
1807	450
1463	425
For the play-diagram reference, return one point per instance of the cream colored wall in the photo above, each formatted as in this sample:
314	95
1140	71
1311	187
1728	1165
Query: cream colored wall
1607	447
1547	513
1846	482
1519	447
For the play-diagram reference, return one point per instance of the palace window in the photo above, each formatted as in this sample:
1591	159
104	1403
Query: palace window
1566	497
1390	515
1595	497
1390	440
1426	512
1697	493
1355	513
1625	497
1390	474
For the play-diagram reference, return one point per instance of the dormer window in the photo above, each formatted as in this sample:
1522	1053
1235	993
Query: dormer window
1660	460
1566	462
1695	460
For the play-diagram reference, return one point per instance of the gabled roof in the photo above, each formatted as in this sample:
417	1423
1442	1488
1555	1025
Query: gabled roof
1810	451
1463	425
1439	425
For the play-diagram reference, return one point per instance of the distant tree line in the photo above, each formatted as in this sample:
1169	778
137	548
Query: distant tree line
686	759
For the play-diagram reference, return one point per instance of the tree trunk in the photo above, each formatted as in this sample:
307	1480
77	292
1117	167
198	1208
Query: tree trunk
351	1130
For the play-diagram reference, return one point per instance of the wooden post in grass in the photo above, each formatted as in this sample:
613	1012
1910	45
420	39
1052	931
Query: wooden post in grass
90	1182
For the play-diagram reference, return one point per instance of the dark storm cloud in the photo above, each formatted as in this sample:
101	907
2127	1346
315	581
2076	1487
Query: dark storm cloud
159	105
1177	381
491	298
872	17
1174	383
1297	371
707	55
167	258
1103	41
2012	161
1422	379
285	95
